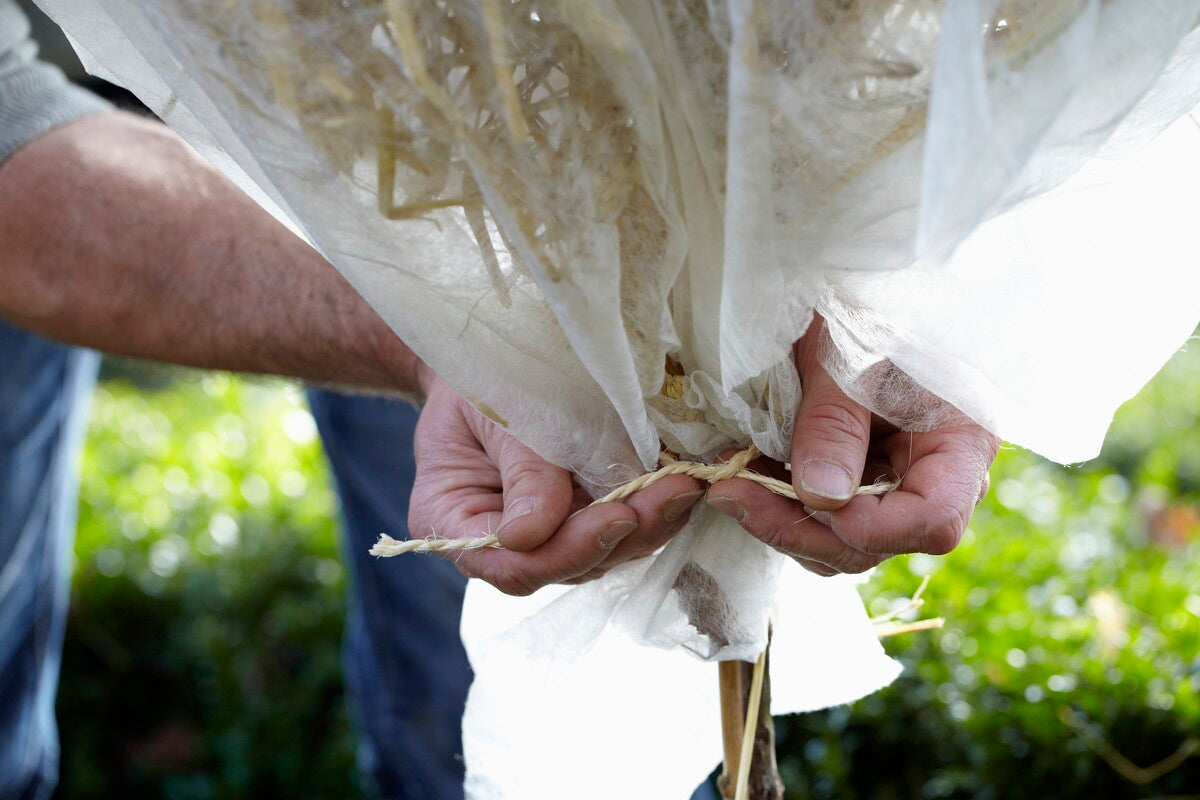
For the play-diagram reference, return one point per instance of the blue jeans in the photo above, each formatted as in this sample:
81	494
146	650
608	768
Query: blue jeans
406	672
43	392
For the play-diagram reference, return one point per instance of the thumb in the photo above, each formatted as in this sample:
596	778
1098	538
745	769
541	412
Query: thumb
537	495
829	440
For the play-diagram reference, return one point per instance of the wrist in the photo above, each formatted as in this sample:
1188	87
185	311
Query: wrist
397	369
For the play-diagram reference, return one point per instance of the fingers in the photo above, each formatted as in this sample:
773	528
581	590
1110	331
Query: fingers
544	545
537	495
786	526
474	479
579	545
945	476
830	438
662	509
943	482
593	541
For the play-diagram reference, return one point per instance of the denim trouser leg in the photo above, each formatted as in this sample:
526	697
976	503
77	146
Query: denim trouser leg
406	670
43	392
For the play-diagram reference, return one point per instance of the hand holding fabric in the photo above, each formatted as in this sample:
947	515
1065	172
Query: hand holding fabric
473	478
836	443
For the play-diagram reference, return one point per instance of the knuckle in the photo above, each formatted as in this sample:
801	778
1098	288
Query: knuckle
515	587
816	567
521	473
510	581
572	562
833	421
978	446
848	560
776	538
873	561
944	533
576	567
591	575
989	445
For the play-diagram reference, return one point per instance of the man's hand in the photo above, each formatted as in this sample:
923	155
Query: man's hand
473	478
835	444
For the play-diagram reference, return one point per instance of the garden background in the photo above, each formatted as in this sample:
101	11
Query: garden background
202	654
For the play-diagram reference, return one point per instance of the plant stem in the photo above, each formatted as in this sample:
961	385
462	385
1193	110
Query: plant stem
735	678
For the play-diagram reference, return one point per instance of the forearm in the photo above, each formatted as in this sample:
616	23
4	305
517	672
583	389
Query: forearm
114	235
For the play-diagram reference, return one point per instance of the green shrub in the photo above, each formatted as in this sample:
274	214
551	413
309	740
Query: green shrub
202	654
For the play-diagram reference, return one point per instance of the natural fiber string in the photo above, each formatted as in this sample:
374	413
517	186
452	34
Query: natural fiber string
736	467
886	625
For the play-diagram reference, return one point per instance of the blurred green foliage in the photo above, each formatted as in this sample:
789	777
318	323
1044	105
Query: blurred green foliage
202	652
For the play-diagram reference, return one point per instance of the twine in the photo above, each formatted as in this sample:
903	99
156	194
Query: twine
735	467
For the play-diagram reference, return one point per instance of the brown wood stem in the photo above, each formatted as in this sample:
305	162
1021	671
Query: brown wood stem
765	783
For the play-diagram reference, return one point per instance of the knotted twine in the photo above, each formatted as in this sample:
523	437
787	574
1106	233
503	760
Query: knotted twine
736	467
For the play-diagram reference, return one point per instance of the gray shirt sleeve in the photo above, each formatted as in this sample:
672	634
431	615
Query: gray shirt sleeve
34	96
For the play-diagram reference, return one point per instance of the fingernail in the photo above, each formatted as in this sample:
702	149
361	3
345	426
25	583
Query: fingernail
614	532
729	505
678	505
521	507
827	479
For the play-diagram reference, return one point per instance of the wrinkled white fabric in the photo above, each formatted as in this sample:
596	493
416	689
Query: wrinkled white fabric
615	217
621	719
1115	319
